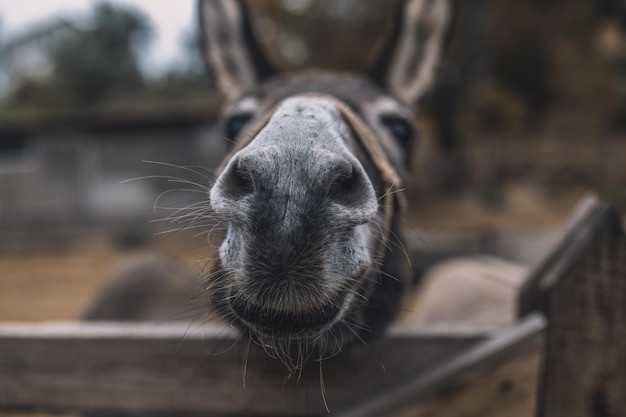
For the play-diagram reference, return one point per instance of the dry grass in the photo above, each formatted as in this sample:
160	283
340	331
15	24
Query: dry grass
47	283
51	286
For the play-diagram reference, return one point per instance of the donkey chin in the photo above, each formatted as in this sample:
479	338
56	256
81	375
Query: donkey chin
293	289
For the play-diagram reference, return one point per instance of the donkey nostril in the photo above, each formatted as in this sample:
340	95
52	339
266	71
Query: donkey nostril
352	192
349	186
344	186
238	180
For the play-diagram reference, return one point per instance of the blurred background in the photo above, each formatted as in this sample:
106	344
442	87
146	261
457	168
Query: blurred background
107	111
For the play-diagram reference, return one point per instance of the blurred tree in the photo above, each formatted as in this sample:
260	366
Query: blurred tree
103	59
192	61
188	76
331	34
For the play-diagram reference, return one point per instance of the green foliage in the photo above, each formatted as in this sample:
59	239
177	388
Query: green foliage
102	60
188	77
97	66
39	94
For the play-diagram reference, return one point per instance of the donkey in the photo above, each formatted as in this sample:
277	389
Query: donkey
312	191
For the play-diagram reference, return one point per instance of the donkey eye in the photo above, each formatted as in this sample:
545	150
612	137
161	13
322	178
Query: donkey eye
399	127
235	124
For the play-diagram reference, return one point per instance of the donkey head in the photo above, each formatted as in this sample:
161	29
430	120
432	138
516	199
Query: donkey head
312	189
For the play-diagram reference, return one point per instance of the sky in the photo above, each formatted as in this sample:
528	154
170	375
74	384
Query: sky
170	19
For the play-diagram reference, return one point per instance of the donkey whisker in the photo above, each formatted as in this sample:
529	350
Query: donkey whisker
194	170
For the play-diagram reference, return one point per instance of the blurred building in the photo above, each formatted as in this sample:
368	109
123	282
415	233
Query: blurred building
70	168
27	56
92	174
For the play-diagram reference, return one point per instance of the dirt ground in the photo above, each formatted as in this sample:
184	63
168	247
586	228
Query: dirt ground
50	283
50	286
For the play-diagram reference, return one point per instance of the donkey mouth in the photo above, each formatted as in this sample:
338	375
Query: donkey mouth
286	323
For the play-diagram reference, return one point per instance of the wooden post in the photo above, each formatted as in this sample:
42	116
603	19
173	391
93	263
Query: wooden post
581	288
495	378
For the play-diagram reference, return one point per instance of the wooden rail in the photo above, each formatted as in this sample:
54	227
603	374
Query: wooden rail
497	377
178	368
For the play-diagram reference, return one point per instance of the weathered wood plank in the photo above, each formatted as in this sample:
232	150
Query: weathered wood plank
560	256
178	368
497	377
581	289
508	390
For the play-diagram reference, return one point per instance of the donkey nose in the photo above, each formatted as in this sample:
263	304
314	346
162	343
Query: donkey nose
316	177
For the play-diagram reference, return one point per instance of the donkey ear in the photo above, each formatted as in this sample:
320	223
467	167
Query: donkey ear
408	64
230	48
